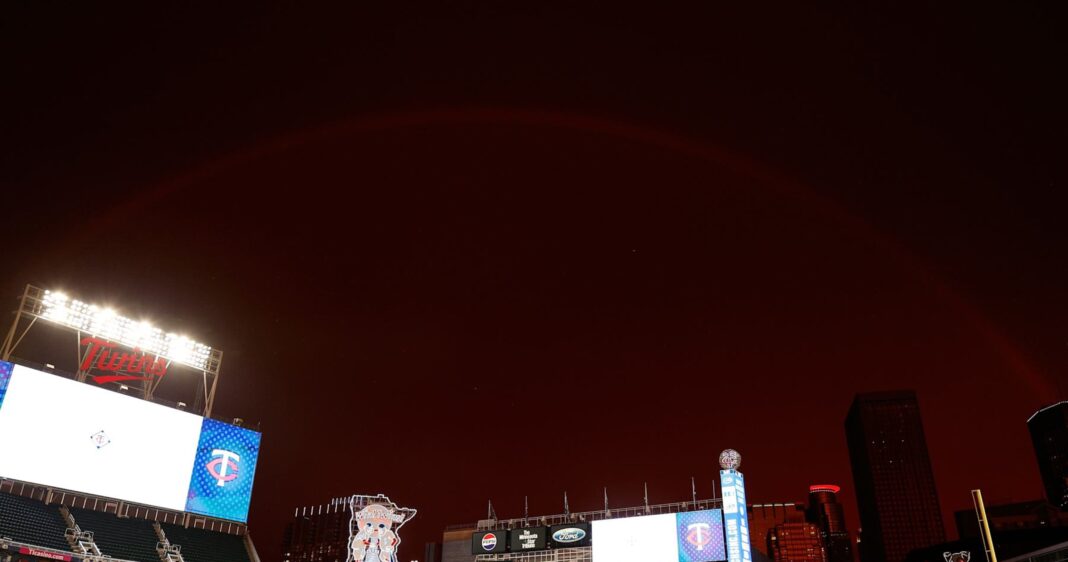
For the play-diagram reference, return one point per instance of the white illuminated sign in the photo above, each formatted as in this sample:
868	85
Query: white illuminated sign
65	434
374	528
651	538
107	324
735	519
61	433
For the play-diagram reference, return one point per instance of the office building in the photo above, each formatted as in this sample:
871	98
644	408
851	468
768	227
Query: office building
763	518
796	542
1049	435
825	511
895	486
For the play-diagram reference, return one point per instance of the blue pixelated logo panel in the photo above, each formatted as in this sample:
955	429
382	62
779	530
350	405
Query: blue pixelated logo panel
225	465
700	535
5	377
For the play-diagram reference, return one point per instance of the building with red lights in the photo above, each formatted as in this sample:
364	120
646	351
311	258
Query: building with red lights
825	511
796	542
763	518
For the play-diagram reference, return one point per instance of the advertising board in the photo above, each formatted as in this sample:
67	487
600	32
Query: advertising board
61	433
374	528
695	536
529	538
489	542
735	520
569	535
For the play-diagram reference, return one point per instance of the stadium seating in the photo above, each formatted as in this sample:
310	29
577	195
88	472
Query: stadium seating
128	539
199	545
33	522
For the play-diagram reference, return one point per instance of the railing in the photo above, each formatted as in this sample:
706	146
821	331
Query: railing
167	552
18	547
580	554
50	496
586	516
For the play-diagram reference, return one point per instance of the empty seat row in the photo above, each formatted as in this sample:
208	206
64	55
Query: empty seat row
199	545
128	539
32	522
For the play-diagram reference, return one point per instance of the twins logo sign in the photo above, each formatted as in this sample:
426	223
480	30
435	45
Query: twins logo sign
699	535
374	528
224	466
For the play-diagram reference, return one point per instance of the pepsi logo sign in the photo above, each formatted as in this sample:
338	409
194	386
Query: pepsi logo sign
570	534
489	541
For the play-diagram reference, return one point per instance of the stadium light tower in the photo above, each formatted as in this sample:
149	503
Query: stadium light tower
100	330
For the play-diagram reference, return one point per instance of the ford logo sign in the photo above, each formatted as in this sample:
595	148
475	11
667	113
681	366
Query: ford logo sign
570	534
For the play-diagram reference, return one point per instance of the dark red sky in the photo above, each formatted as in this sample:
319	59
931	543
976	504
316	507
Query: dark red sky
456	254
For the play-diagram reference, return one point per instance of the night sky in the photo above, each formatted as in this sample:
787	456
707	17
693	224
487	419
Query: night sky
458	253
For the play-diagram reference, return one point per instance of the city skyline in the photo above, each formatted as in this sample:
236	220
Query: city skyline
461	253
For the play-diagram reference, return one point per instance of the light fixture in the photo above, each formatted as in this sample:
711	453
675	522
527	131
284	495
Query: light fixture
106	323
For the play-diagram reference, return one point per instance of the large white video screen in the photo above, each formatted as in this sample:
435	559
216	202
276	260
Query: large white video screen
635	539
691	536
61	433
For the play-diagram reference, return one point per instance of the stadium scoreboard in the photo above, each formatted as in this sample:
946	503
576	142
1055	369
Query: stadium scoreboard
58	432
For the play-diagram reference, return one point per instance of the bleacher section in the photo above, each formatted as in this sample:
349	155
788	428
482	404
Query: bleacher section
129	539
199	545
31	521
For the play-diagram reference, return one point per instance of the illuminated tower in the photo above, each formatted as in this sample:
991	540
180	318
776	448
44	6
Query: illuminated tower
825	512
735	519
895	485
1049	435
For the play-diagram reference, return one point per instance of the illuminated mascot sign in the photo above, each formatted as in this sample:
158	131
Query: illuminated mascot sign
374	527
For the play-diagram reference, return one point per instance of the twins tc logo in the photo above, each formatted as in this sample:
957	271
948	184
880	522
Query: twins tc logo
224	468
699	535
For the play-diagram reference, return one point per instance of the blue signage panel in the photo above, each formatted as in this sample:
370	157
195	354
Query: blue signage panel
735	520
5	377
221	484
700	536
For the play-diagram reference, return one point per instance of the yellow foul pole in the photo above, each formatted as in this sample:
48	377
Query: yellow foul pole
984	526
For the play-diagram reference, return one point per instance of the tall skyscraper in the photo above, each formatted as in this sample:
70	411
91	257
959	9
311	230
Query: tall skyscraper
796	542
892	474
1049	435
825	511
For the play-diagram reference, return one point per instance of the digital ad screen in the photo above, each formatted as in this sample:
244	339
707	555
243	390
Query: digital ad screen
489	542
695	536
530	538
569	535
62	433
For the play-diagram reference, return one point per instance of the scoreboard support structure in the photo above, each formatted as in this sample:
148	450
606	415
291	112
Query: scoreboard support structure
36	306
